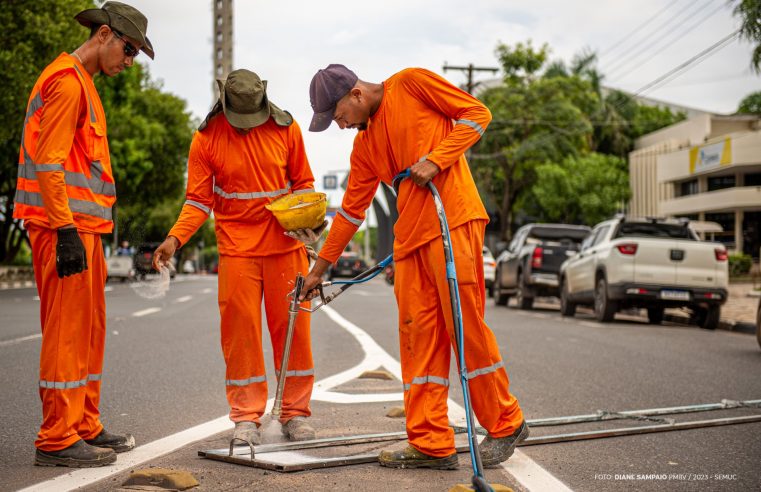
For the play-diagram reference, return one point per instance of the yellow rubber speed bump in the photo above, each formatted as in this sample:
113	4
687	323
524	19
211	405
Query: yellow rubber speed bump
302	211
461	487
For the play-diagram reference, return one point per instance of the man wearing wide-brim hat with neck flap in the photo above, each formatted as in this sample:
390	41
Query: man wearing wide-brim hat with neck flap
65	194
246	153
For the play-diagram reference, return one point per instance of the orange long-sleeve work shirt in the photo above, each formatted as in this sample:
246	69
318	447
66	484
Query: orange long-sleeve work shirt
235	176
421	116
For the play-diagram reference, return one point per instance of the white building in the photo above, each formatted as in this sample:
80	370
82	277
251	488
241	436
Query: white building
706	168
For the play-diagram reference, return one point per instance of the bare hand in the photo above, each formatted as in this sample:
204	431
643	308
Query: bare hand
164	252
422	172
307	236
313	280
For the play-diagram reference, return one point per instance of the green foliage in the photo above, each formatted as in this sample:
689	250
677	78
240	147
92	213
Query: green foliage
34	32
739	264
149	135
749	12
751	104
547	112
586	189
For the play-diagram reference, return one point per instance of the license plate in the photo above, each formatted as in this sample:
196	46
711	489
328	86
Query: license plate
675	295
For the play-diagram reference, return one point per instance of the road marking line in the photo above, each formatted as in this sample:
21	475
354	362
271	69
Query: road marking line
146	312
375	356
108	288
183	299
206	291
20	339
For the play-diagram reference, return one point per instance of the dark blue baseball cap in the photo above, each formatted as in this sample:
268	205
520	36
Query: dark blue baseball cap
328	86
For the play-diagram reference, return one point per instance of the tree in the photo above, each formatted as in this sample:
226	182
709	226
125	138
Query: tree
585	189
535	119
149	136
149	131
751	104
750	13
34	32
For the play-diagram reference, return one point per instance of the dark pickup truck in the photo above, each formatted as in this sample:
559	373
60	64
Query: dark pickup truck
530	265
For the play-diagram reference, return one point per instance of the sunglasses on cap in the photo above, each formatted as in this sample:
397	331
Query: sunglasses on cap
129	50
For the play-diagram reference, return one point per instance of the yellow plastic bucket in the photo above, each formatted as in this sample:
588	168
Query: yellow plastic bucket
302	211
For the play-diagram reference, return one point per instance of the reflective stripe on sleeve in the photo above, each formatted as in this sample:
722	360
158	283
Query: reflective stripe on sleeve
245	382
356	222
94	183
427	379
471	124
33	107
200	206
94	377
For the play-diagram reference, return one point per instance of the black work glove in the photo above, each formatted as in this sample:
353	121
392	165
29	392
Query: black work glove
70	255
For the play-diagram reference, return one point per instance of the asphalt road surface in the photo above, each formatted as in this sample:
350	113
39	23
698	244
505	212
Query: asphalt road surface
164	373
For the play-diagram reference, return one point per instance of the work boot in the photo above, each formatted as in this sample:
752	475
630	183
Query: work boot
410	457
78	455
298	429
495	450
247	431
118	443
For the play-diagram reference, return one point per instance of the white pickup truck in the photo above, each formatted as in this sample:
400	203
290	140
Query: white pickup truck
648	263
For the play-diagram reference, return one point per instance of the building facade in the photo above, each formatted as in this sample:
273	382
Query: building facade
706	168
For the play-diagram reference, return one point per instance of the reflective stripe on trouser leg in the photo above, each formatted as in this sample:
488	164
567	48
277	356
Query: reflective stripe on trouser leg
279	274
425	350
72	315
240	300
494	406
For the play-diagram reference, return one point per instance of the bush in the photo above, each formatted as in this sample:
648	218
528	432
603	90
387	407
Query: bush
739	264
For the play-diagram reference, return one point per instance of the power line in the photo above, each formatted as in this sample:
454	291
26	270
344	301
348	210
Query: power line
637	29
700	57
679	35
624	58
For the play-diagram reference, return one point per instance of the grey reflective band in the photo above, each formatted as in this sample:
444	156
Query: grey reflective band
485	370
79	206
245	382
87	94
427	379
471	124
204	208
62	385
301	192
93	377
305	372
95	183
33	107
250	195
356	222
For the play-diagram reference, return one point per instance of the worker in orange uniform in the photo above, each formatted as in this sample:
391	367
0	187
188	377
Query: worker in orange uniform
246	153
64	194
415	119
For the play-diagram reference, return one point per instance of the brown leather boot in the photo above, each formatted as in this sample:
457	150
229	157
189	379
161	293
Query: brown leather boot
78	455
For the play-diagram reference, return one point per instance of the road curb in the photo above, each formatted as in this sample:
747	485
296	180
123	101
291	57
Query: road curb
729	325
17	284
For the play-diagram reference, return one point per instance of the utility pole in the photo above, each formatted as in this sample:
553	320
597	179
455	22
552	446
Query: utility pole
222	55
469	69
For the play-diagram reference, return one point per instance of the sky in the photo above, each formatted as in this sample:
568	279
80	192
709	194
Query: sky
286	42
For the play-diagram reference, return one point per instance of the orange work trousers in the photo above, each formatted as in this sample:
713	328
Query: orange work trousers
426	338
73	319
242	284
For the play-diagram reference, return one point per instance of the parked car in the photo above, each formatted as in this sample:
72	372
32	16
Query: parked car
349	264
646	263
489	269
530	265
121	267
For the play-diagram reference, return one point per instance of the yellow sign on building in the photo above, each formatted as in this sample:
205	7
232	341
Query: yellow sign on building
709	156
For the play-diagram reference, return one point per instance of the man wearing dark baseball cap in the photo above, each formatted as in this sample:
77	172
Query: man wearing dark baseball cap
417	120
65	195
